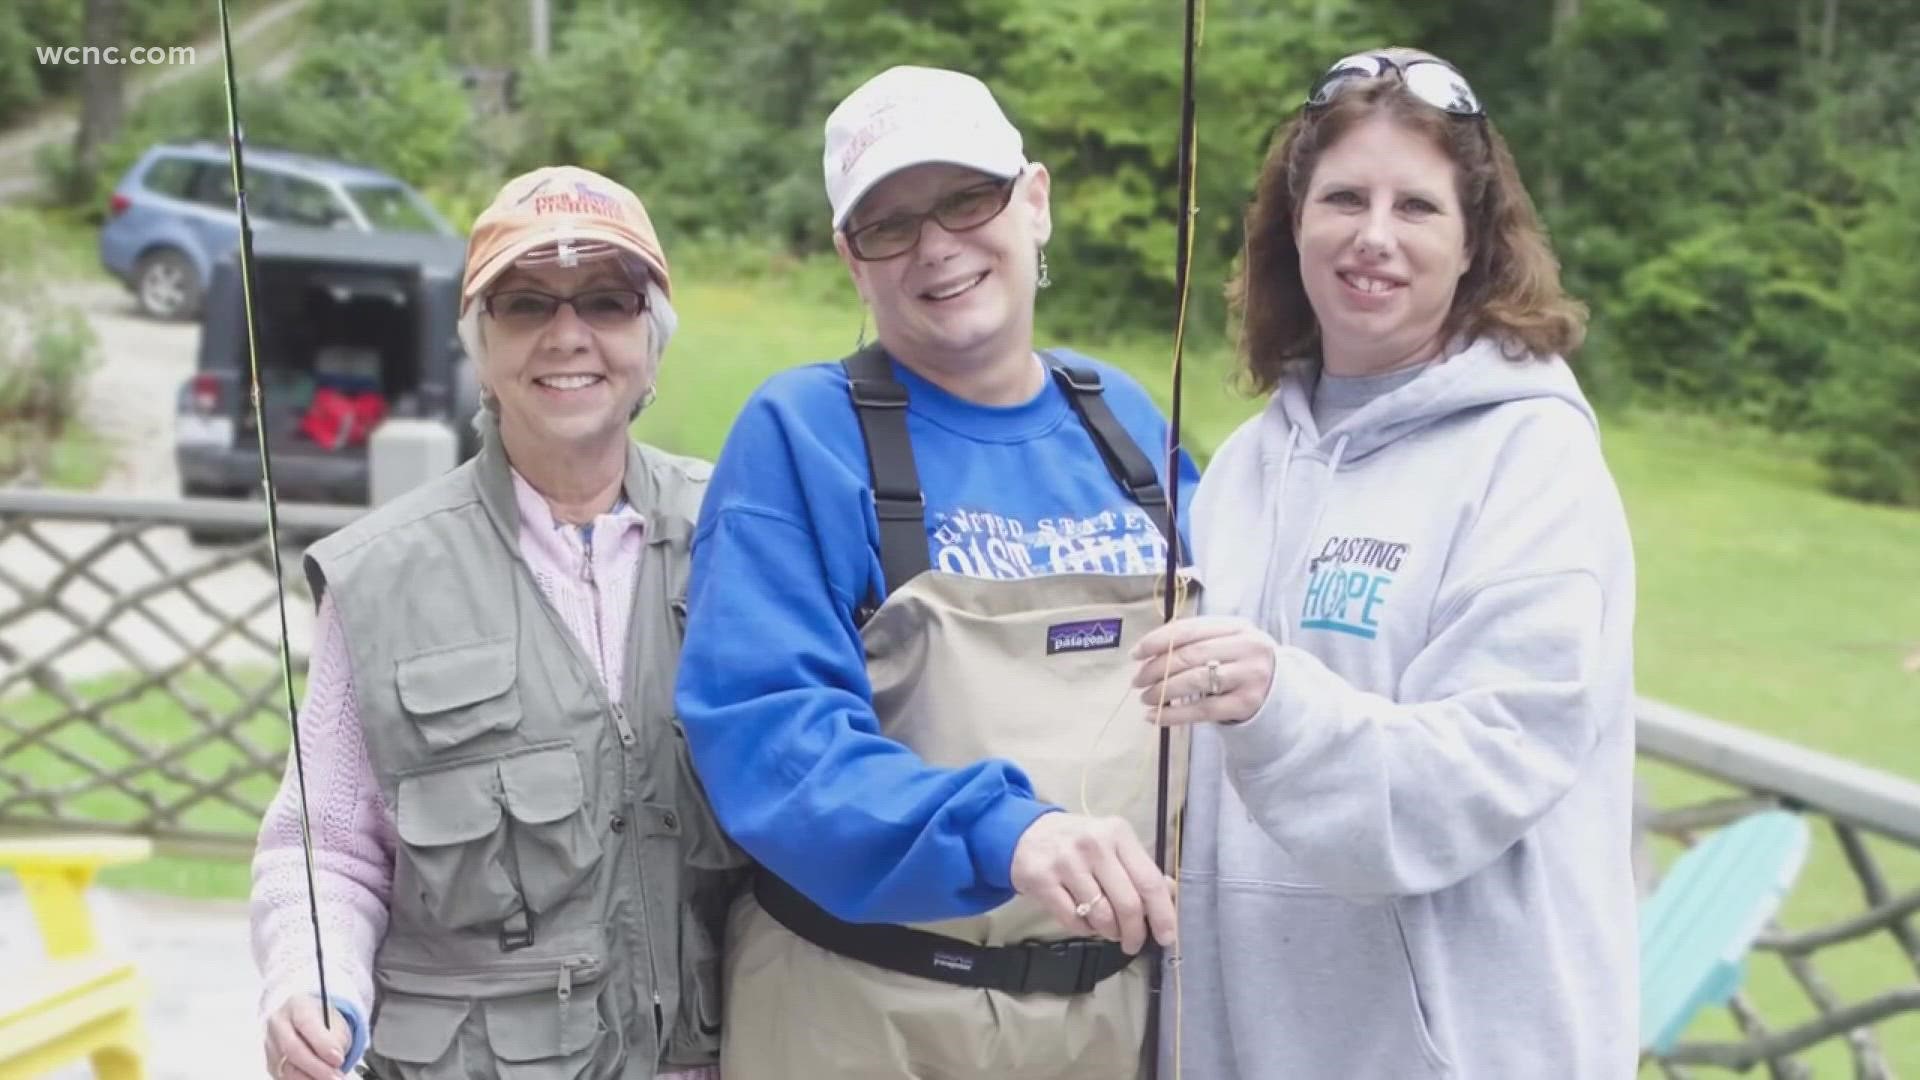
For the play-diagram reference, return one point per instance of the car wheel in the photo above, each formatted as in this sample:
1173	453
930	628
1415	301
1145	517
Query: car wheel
167	285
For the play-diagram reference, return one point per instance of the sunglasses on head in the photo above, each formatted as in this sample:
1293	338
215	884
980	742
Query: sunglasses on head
1433	81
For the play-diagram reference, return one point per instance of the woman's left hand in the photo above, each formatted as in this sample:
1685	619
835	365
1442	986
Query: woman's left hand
1217	670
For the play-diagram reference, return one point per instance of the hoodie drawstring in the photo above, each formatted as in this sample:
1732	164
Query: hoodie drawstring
1274	607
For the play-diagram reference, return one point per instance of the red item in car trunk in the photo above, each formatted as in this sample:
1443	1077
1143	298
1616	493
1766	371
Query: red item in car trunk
335	419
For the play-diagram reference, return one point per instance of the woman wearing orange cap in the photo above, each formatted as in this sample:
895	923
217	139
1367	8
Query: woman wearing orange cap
517	873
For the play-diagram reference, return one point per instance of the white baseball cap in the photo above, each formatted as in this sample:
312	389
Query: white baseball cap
907	116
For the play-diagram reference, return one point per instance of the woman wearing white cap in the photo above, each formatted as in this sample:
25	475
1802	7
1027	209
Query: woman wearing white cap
517	874
915	578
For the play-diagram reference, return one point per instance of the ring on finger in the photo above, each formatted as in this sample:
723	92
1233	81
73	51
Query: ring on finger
1085	907
280	1070
1213	678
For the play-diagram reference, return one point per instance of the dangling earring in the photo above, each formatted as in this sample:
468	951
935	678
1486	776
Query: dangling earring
1045	278
861	341
646	399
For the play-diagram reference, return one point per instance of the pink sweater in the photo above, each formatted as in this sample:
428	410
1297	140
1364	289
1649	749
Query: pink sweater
352	826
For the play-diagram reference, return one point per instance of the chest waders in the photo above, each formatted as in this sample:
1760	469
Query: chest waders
1035	671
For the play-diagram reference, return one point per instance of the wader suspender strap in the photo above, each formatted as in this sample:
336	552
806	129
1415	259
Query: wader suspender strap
1074	966
880	403
1129	466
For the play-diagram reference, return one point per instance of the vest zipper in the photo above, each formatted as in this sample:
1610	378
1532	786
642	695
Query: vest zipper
638	846
627	740
600	650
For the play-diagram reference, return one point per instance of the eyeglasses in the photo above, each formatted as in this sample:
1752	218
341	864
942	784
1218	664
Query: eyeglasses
1435	82
957	211
530	309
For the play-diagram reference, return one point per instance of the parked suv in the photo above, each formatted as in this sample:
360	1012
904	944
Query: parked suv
351	329
172	217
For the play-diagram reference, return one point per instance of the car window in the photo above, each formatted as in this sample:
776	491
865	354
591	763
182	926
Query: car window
271	195
393	208
212	186
299	201
171	176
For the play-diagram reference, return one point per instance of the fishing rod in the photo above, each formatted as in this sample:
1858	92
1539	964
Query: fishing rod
236	157
1183	264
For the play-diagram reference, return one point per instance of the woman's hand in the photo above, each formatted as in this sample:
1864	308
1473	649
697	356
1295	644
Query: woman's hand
1216	670
1094	877
300	1047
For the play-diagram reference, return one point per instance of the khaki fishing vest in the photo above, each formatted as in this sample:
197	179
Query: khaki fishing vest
559	884
1036	671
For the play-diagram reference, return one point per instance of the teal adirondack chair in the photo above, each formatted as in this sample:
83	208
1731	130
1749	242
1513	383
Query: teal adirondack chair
1696	929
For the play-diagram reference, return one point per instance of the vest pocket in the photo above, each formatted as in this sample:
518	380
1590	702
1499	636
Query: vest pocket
695	1038
449	823
553	1033
555	846
456	838
461	692
535	1037
416	1035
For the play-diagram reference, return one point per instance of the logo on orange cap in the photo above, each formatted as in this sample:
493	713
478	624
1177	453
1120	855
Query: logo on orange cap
564	207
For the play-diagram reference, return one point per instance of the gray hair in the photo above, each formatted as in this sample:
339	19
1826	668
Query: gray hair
662	321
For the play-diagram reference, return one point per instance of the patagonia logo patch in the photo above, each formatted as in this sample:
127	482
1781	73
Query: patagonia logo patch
952	962
1083	636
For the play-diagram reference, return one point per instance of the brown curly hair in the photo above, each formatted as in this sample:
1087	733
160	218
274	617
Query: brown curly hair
1510	291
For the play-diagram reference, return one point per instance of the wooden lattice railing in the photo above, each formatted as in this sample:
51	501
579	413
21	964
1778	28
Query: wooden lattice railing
140	690
140	680
1872	821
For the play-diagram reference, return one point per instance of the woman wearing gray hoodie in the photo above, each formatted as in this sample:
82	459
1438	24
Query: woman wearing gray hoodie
1407	847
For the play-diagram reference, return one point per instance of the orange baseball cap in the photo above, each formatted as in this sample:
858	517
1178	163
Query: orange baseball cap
575	212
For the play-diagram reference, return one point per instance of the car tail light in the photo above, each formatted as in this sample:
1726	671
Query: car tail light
118	205
207	390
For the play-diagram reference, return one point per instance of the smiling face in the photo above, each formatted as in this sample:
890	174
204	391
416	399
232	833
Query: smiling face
564	379
957	299
1383	245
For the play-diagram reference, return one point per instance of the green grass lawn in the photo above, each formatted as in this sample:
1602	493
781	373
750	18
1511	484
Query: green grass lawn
1762	600
154	723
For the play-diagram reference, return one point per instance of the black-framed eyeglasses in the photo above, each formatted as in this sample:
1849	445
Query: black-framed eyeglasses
530	309
1433	81
957	211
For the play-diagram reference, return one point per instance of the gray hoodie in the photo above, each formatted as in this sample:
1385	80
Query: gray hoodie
1414	860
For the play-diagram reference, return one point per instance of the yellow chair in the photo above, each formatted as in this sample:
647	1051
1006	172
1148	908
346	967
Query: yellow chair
78	1003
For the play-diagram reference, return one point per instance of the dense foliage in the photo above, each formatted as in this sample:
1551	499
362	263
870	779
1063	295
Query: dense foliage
1730	183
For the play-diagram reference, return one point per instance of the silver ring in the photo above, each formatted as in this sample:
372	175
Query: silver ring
1086	907
1213	678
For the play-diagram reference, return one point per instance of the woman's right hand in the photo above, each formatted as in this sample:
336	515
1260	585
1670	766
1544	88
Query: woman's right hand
300	1047
1094	876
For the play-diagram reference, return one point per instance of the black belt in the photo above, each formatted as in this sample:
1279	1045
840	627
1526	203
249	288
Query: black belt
1074	966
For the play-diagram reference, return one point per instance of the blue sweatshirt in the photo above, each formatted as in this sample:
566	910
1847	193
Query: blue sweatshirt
773	689
1414	860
